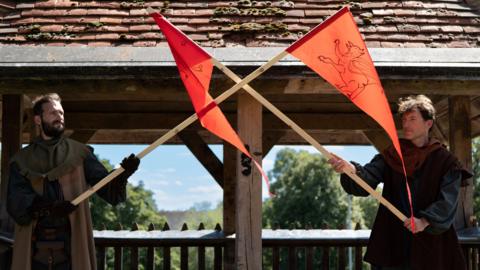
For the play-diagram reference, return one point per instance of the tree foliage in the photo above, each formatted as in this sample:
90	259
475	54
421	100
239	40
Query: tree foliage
476	176
307	193
139	208
202	213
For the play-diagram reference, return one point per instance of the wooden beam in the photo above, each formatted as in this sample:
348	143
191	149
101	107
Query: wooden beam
170	89
329	121
379	139
82	136
248	240
461	147
438	133
229	207
270	139
204	154
12	119
145	136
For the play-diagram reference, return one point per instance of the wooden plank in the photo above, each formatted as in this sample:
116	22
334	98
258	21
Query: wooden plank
461	147
204	154
342	263
217	258
309	258
118	263
358	258
12	118
134	258
201	258
94	121
183	257
229	208
167	261
249	187
326	258
292	258
275	258
101	257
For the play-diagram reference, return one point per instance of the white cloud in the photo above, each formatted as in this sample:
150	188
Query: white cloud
168	170
204	189
178	183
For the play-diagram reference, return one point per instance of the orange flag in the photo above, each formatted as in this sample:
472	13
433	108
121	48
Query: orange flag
195	67
336	51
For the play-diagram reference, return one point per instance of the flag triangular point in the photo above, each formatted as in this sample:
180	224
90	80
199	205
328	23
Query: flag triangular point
317	28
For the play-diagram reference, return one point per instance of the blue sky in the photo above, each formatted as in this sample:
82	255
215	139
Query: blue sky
179	180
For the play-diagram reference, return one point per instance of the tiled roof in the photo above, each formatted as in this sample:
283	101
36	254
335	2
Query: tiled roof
447	23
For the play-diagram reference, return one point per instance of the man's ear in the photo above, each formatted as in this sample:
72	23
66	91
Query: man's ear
37	120
430	123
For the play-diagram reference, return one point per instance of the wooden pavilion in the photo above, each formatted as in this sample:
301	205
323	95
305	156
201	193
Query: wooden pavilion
120	85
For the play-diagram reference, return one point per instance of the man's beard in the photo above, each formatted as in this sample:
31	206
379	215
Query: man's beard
51	131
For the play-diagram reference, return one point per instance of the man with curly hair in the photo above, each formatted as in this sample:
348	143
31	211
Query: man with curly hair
434	177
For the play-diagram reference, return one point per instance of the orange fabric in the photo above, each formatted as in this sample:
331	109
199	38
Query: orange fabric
336	51
195	67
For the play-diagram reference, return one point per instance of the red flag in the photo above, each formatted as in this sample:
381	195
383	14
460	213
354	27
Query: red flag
195	67
336	51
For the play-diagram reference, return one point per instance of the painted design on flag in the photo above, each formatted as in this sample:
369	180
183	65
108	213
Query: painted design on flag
350	64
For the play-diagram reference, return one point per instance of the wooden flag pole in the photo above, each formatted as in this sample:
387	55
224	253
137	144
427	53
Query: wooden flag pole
180	127
308	138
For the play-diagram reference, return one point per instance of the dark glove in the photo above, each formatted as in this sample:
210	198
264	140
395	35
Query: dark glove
42	208
130	164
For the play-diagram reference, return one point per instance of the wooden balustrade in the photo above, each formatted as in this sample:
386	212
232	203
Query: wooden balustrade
311	249
282	249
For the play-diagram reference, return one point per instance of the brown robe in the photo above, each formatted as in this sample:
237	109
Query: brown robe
60	159
83	247
390	243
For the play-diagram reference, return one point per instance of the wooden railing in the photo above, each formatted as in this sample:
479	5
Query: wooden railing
282	249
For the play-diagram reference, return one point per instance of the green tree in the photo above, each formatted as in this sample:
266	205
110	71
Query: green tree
307	192
139	208
476	176
201	213
364	211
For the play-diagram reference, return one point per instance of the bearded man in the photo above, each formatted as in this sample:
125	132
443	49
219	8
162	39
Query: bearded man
50	232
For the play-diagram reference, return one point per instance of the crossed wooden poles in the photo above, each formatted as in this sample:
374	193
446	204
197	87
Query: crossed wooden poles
243	83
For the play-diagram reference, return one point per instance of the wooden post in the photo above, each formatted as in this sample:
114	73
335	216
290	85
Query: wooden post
249	187
461	146
12	116
229	185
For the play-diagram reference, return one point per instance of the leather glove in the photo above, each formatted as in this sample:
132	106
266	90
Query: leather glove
130	164
60	208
